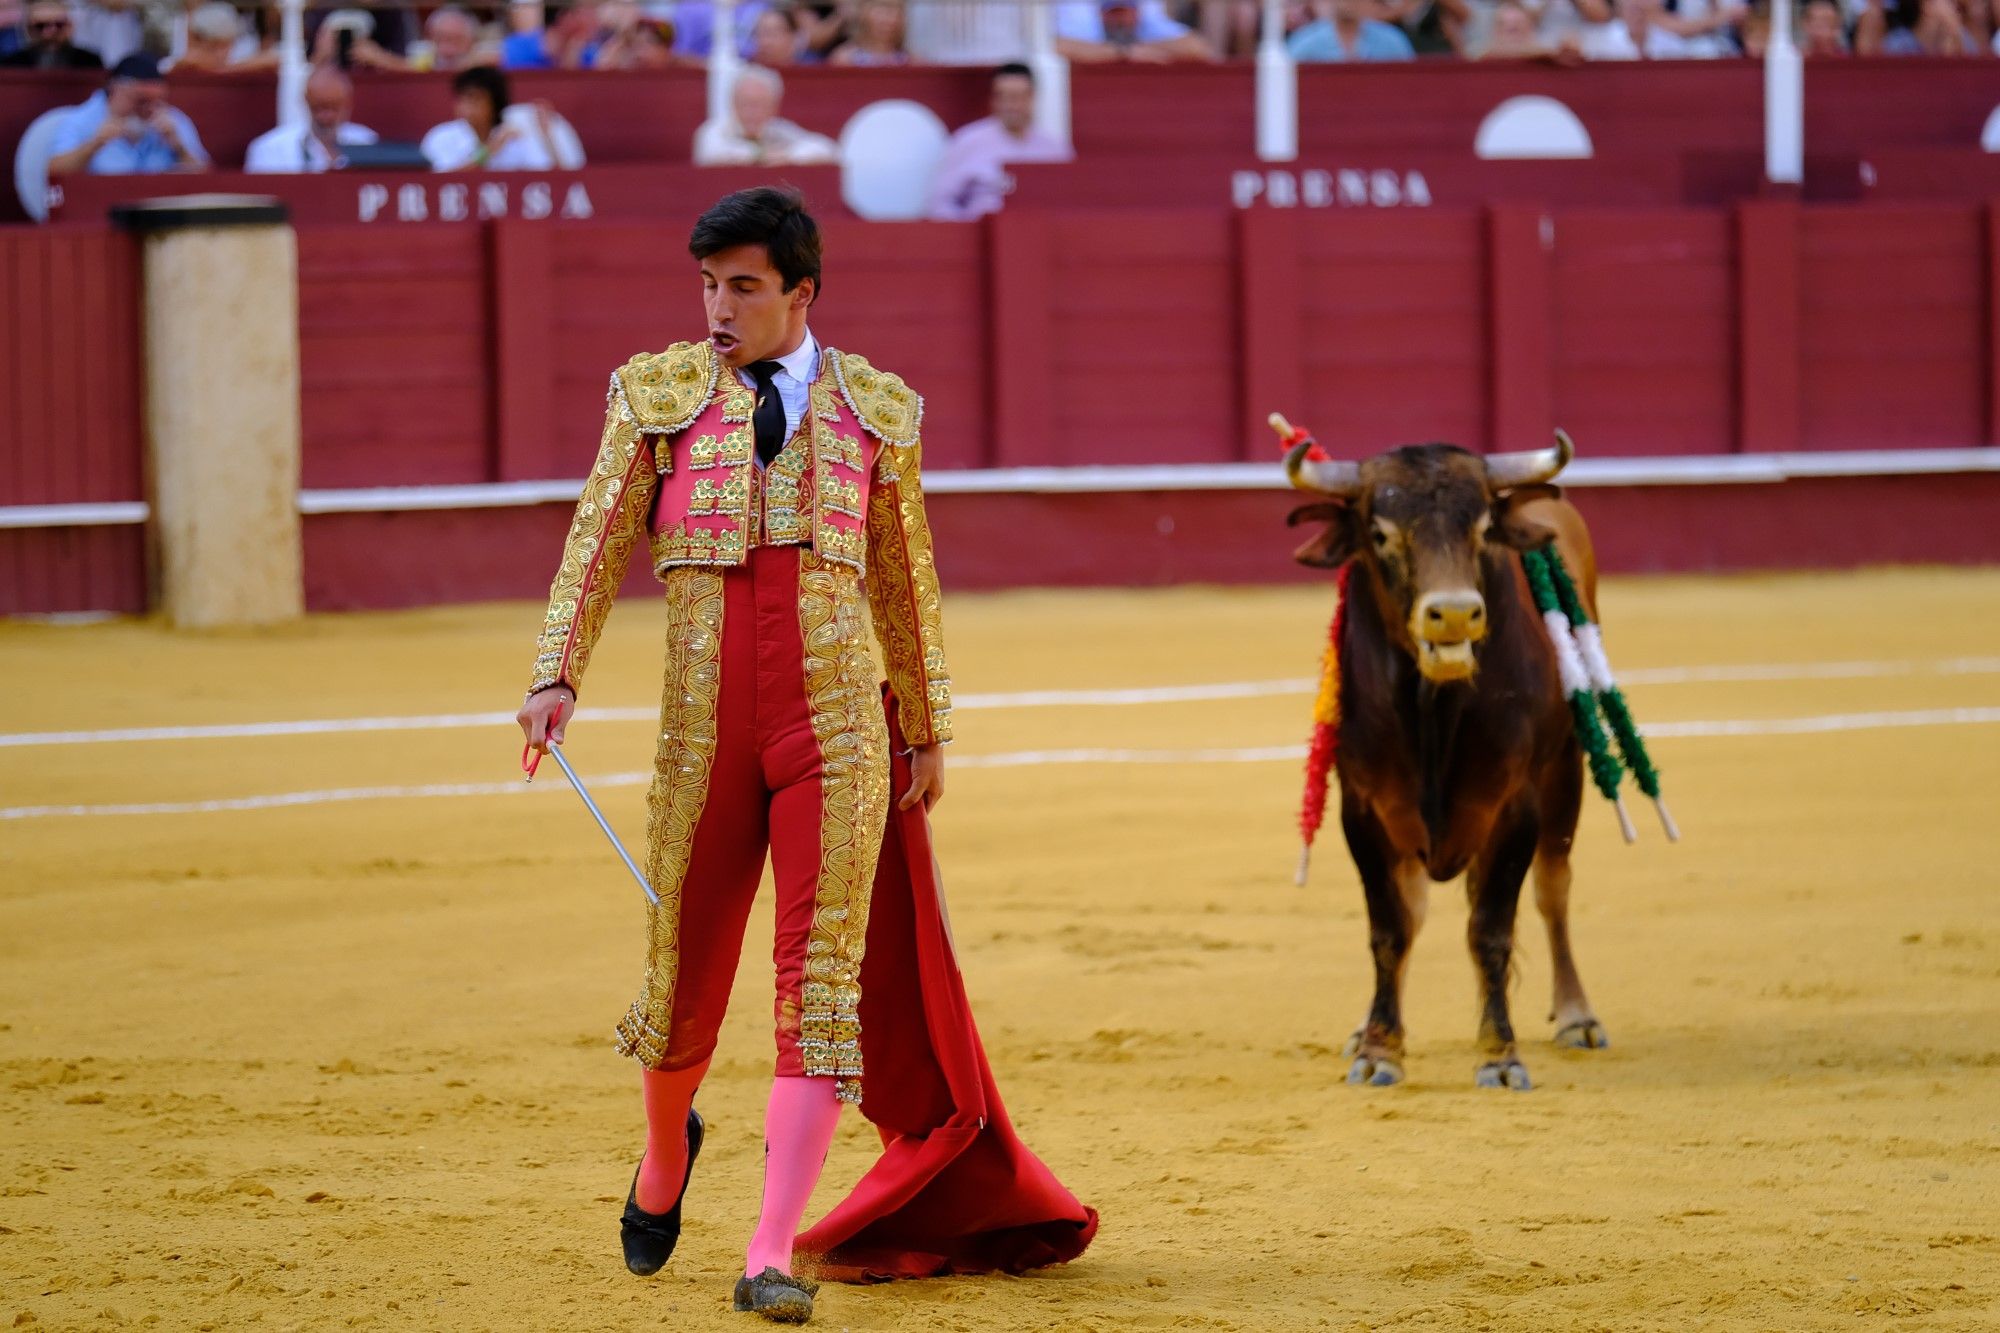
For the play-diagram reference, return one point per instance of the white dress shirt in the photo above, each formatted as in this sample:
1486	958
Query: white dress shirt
291	149
795	376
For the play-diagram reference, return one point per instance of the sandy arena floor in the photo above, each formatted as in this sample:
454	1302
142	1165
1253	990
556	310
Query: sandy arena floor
345	1063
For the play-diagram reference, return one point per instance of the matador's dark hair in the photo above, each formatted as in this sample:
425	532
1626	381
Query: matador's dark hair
772	216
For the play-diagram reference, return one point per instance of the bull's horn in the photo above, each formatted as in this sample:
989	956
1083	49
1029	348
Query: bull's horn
1324	476
1535	465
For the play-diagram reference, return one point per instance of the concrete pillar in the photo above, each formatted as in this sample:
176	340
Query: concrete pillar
222	407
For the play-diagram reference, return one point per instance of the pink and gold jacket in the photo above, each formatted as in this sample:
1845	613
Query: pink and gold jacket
677	467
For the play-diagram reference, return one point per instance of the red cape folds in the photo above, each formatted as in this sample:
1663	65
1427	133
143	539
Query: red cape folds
955	1191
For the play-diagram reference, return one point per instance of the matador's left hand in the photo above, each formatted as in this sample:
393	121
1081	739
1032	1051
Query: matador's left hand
926	777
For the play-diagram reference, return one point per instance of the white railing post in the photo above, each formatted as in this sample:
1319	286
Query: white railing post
1277	90
723	60
1051	72
292	67
1784	102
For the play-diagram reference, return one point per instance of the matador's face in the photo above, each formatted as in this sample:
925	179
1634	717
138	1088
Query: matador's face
751	317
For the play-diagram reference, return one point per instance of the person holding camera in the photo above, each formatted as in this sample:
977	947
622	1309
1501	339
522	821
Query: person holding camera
128	128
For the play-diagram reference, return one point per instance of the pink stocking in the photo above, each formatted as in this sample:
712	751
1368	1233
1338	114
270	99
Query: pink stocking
669	1094
798	1129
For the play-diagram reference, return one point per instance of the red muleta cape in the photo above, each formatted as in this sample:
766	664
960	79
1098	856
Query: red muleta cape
955	1191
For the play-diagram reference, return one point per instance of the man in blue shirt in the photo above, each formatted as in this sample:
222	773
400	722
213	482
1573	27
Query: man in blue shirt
1343	31
127	128
1137	30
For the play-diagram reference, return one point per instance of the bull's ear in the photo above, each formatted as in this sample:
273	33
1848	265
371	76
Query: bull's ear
1331	547
1517	523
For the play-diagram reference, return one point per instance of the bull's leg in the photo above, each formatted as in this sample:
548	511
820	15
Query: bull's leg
1493	884
1396	893
1562	798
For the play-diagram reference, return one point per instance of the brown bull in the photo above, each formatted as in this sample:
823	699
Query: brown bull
1457	754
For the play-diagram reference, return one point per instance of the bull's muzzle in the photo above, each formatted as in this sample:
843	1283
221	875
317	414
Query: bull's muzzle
1445	626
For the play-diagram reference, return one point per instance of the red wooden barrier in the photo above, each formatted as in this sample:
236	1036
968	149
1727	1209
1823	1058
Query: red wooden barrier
479	352
1893	313
1642	319
69	416
395	359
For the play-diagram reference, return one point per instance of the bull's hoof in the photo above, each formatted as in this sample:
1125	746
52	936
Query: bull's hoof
1585	1034
1503	1074
1375	1071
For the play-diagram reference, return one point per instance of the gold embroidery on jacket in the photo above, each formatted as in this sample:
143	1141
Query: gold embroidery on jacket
892	411
854	803
681	770
903	594
669	389
609	516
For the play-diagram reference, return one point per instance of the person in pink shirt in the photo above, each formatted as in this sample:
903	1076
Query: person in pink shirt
972	180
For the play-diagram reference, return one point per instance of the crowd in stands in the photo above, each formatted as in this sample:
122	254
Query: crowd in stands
652	34
129	125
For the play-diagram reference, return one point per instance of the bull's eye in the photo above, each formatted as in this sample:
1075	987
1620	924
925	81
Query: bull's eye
1484	526
1385	534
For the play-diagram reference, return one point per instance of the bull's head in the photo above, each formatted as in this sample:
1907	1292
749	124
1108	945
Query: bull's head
1422	519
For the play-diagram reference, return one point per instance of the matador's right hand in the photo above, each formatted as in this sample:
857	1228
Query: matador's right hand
544	716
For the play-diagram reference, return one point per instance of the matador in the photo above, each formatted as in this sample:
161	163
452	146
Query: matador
776	484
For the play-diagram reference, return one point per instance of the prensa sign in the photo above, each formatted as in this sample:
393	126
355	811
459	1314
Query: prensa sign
1344	187
471	201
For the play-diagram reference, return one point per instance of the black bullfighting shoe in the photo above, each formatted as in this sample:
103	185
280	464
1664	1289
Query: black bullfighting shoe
649	1238
779	1297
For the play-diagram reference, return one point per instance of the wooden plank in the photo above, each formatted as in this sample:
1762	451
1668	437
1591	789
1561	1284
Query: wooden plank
13	441
1270	293
521	295
1767	326
1519	239
1021	366
1992	247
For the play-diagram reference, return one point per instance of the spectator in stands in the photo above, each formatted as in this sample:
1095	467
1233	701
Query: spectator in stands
1636	32
13	27
111	28
1912	28
694	25
288	149
775	41
1343	30
49	31
968	32
646	44
484	137
1562	24
1821	31
571	41
972	179
217	42
877	38
453	38
754	133
1512	35
1434	27
1700	29
1101	30
127	128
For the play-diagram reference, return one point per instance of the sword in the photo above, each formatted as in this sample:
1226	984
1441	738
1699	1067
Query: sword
595	813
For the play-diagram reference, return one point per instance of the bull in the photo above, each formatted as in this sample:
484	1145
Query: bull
1457	755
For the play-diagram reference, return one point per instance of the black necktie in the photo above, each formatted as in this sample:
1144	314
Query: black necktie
769	418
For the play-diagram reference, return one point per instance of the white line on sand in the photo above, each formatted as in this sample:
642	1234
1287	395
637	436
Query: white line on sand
1162	694
1779	726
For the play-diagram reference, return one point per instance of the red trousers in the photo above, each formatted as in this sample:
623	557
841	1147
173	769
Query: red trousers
772	739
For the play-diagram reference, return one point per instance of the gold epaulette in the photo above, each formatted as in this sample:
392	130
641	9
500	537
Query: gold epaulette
668	390
889	409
